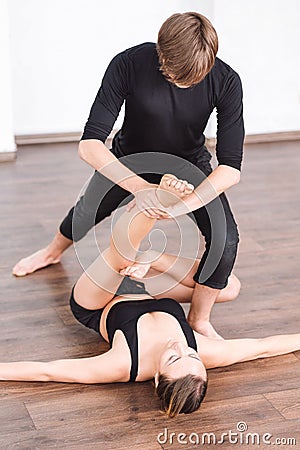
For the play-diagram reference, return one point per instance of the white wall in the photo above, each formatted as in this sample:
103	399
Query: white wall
60	49
7	143
260	39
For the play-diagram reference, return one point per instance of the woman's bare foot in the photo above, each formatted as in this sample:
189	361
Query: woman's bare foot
171	190
37	260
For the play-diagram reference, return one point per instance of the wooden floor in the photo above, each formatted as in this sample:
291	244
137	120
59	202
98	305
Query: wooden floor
36	323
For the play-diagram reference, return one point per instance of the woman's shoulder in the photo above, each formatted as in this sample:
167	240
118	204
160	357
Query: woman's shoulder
206	348
121	352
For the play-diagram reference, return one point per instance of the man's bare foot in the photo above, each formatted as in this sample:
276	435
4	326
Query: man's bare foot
36	261
136	270
44	257
205	328
171	190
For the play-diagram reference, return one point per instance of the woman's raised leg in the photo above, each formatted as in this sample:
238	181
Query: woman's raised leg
97	285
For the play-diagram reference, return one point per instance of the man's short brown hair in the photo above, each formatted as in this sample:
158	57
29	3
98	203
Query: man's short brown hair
187	46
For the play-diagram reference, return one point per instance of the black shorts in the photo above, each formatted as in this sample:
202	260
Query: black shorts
91	317
88	317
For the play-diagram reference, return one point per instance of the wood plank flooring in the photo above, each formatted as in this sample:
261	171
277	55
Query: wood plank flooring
36	324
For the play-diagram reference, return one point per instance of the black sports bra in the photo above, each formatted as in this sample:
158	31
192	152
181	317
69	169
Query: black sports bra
125	315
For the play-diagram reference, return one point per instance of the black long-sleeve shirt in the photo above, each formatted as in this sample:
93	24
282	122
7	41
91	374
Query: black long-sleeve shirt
161	117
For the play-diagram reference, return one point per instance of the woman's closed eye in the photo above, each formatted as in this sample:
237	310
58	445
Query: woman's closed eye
175	358
193	355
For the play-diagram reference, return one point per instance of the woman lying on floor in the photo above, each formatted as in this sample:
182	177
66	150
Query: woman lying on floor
149	338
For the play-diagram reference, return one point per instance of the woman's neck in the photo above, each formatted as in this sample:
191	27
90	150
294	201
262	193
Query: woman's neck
152	349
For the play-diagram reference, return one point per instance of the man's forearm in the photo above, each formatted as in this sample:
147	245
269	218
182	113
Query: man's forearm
97	155
221	179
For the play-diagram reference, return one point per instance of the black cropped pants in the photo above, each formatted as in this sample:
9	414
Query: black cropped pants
215	221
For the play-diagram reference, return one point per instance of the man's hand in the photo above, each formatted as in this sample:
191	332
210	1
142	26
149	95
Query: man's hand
177	210
147	202
183	206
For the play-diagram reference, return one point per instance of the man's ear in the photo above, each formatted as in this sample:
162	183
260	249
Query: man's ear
156	376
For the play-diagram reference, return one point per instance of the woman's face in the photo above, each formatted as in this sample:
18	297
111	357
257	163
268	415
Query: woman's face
178	360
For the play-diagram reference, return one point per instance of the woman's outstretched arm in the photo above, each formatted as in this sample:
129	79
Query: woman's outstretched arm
219	353
109	367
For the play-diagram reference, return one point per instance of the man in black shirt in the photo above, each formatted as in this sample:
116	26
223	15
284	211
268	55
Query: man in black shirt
170	90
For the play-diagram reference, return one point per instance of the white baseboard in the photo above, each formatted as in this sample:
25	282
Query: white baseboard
52	138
